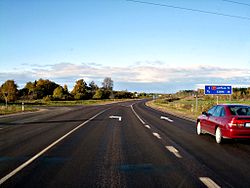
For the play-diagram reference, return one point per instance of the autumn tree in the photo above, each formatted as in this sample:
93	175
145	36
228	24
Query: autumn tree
80	90
9	90
61	93
58	93
99	94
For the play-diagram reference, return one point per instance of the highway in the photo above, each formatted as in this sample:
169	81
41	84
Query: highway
118	145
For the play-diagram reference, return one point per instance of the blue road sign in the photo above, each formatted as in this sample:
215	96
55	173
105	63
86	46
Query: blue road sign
218	90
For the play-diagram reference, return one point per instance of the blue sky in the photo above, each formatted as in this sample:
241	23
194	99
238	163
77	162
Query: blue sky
142	47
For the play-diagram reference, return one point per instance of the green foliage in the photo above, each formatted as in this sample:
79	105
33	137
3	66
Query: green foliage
123	95
80	90
58	93
39	89
92	89
99	94
47	98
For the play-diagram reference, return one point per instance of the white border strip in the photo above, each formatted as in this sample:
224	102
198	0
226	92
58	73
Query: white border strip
137	115
8	176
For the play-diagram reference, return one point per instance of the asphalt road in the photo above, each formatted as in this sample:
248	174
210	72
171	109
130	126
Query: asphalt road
87	147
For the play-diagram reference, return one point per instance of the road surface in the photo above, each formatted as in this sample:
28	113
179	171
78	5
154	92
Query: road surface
117	145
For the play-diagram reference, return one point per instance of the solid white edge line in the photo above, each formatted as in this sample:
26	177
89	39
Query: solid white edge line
157	135
137	115
5	178
173	150
208	182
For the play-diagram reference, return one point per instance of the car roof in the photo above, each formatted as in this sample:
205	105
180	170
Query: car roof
243	105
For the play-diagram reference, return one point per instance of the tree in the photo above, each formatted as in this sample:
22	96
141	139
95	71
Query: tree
108	84
45	87
93	86
65	88
123	95
9	90
98	94
58	93
40	89
80	90
92	89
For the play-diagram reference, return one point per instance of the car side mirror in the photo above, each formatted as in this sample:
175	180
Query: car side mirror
205	113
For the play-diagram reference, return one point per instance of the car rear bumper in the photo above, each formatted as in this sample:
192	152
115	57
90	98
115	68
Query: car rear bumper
236	133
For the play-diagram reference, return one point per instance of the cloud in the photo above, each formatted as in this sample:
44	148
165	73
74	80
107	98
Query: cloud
148	74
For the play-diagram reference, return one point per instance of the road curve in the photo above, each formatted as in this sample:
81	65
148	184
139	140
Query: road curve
84	147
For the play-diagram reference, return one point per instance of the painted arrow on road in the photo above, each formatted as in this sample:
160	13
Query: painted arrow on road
166	118
116	117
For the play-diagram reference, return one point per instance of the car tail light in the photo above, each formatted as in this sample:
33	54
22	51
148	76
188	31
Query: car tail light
236	123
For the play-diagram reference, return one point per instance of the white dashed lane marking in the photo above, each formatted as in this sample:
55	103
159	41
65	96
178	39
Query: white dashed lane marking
208	182
157	135
147	126
174	151
166	118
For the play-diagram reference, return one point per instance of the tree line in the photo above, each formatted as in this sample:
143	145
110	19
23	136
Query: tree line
48	90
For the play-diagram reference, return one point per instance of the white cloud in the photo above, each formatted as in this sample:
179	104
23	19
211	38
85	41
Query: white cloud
148	72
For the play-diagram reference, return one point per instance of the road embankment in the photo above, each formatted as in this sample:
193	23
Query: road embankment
172	111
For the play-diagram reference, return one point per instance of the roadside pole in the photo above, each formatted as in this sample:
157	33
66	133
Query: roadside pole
22	106
217	98
6	99
196	104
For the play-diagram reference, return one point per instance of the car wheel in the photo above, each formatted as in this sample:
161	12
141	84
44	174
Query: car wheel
199	129
218	136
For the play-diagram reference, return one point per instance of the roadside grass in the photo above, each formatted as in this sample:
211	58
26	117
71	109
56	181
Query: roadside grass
32	105
73	103
188	108
11	109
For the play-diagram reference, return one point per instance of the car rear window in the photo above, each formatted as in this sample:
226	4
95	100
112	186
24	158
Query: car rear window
240	110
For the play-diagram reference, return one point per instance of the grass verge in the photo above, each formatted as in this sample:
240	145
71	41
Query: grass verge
33	105
188	108
12	109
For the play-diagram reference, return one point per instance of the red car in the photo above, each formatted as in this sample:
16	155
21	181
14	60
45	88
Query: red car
225	121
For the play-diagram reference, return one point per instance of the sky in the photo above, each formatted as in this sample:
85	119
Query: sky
142	47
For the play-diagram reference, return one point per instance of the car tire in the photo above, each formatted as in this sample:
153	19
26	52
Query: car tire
218	135
199	129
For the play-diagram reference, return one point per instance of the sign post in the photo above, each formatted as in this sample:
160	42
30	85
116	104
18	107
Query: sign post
218	90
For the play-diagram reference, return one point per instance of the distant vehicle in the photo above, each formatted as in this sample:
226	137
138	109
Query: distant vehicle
225	121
